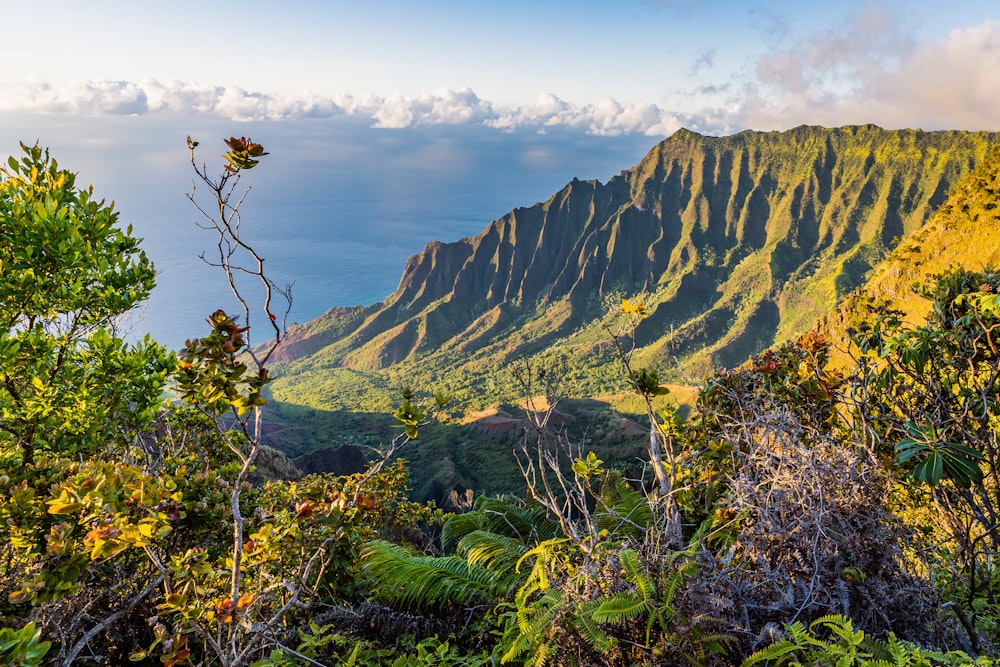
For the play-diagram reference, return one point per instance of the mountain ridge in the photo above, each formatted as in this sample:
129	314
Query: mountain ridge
736	242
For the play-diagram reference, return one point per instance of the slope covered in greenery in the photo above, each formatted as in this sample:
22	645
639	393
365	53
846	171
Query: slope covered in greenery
735	243
964	231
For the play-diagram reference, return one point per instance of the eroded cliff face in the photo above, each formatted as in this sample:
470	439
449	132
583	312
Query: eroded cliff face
736	242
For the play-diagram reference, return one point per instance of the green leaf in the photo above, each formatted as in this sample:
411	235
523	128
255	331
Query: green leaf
929	470
907	449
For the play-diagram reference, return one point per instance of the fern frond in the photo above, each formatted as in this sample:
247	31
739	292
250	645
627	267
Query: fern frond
538	612
797	634
626	511
544	553
891	650
773	655
532	628
897	651
409	580
457	527
542	655
685	569
636	574
511	517
841	626
621	608
352	659
587	625
497	553
503	515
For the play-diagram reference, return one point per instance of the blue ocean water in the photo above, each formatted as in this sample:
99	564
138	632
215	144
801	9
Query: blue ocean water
336	207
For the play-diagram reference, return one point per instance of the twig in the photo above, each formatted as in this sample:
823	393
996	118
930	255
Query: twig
90	634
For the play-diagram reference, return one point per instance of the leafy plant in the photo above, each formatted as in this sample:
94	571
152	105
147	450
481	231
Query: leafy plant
833	641
68	383
22	647
929	395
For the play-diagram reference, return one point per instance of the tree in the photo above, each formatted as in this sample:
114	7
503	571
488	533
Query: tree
110	501
929	397
68	273
72	390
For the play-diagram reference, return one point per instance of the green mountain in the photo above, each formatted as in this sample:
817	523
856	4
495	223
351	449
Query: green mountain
735	243
962	232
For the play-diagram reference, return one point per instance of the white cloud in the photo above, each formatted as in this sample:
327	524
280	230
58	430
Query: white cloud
953	82
869	70
441	107
179	96
89	98
872	71
607	116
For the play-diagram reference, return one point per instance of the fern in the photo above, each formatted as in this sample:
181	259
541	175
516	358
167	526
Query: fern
457	527
504	516
797	634
352	659
849	647
585	622
621	608
411	581
545	554
530	631
636	574
497	553
842	627
626	512
541	656
774	654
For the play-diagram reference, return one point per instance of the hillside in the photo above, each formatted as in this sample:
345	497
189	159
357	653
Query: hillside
736	242
962	232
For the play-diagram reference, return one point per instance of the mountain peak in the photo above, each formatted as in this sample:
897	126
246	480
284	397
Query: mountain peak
736	242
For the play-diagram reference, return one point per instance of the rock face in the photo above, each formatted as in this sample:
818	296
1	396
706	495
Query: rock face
736	242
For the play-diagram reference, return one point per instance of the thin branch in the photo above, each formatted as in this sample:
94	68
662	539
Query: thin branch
90	634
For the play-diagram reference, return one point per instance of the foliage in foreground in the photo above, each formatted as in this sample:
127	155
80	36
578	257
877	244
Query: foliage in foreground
833	641
801	515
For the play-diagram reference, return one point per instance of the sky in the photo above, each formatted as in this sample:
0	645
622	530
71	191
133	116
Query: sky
627	66
392	123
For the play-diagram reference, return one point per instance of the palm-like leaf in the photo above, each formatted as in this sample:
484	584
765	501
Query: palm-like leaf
504	516
625	512
495	553
406	579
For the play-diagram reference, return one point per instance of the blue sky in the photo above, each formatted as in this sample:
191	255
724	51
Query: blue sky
394	123
617	67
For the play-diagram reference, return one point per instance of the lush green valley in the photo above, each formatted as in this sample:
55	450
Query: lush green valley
834	500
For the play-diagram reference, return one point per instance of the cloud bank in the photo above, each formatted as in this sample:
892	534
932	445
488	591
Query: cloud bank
872	71
442	107
869	70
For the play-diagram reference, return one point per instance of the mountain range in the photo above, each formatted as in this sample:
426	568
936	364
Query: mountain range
735	243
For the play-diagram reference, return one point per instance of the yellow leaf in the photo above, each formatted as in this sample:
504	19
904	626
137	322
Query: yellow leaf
637	307
18	596
62	507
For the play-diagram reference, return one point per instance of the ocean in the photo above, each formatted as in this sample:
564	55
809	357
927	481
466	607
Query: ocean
336	208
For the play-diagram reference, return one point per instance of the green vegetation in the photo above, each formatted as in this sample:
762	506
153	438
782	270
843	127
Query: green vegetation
807	507
736	244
